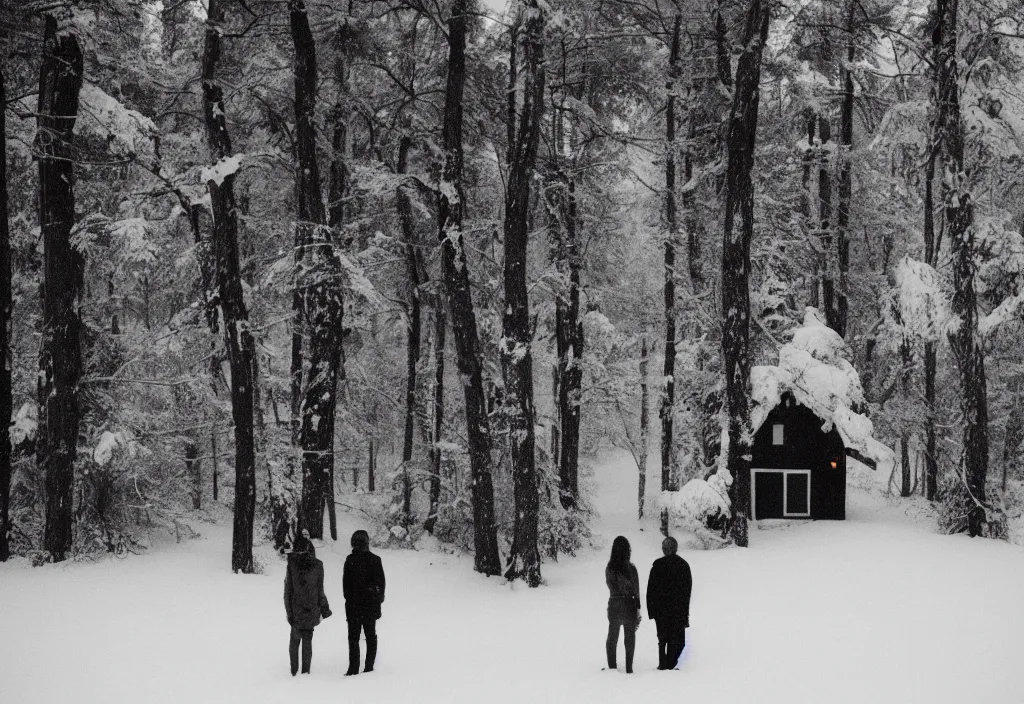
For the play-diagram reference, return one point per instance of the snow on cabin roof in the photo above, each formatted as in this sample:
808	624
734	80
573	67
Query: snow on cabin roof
815	368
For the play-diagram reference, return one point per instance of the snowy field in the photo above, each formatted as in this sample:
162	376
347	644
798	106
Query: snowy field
874	609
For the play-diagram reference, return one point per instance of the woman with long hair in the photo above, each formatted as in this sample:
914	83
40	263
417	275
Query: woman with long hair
623	601
305	602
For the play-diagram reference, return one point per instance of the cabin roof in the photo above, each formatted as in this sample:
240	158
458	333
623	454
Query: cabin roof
814	368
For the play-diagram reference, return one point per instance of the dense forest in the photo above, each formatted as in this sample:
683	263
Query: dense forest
264	260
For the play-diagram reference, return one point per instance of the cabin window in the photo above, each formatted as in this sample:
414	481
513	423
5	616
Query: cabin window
777	434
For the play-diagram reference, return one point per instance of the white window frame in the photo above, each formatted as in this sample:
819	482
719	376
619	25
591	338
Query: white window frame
785	500
779	428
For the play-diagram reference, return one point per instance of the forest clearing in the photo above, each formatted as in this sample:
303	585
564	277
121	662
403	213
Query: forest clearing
878	608
509	296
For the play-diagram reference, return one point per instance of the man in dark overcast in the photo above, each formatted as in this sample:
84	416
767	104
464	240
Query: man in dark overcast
668	603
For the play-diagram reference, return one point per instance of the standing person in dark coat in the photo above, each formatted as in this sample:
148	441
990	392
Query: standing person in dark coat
668	603
305	602
623	602
364	593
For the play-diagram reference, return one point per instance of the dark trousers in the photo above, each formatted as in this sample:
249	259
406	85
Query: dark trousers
305	636
671	641
627	621
369	628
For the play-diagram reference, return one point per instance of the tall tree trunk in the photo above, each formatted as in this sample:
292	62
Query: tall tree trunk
6	307
237	336
563	216
828	266
321	288
455	275
807	201
213	452
931	460
336	192
570	358
906	356
371	468
60	363
440	323
959	211
644	428
516	347
194	471
294	460
845	195
1013	436
560	197
668	377
407	221
706	436
695	232
739	206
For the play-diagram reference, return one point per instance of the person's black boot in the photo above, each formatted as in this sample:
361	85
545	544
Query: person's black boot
371	653
353	659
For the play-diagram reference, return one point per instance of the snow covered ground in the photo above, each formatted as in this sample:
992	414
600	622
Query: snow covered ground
874	609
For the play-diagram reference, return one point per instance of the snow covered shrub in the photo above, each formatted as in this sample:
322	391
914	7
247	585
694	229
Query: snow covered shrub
1013	499
454	525
110	504
955	503
382	517
700	508
564	531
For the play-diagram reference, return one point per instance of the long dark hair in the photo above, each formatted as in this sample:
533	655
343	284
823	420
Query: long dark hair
303	552
620	555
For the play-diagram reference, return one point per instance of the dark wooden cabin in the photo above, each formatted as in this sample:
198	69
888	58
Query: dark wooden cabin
798	469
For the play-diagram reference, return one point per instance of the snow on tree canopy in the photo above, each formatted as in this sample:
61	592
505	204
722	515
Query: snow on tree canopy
815	368
104	451
24	425
222	169
104	116
923	305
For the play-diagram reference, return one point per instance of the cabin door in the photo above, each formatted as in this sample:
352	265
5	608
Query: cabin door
797	493
780	493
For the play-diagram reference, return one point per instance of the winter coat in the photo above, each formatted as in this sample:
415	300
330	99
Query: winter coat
304	599
364	586
668	590
623	591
